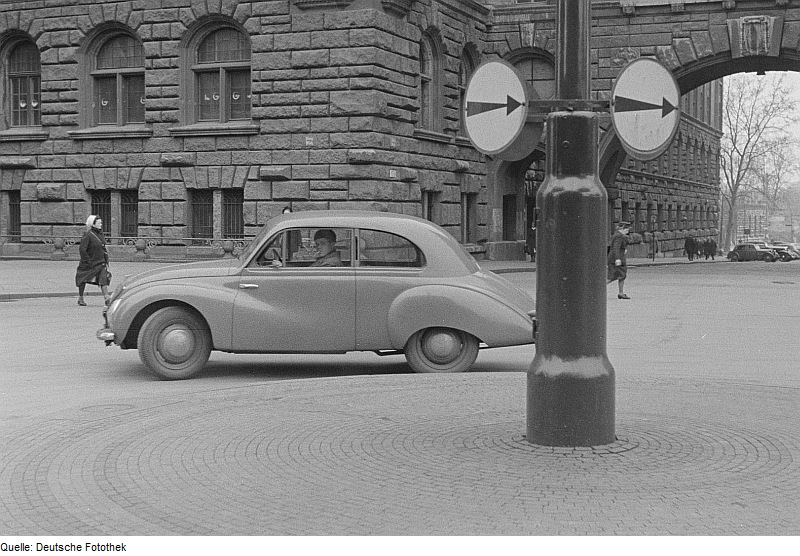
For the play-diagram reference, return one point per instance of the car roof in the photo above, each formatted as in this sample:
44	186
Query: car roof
428	236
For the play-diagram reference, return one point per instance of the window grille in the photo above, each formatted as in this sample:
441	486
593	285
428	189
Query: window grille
129	208
202	214
101	206
14	216
24	76
233	213
469	217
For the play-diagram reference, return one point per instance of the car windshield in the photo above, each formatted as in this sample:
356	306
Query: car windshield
255	242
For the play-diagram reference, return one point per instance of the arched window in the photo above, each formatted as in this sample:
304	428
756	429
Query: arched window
221	76
465	69
430	84
118	81
24	81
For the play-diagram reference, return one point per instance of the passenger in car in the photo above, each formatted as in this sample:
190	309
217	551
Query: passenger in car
325	242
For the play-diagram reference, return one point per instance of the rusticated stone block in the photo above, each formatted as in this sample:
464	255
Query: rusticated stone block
356	103
178	159
362	156
291	190
17	162
49	192
275	173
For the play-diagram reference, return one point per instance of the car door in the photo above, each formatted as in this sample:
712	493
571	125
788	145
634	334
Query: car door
286	305
388	264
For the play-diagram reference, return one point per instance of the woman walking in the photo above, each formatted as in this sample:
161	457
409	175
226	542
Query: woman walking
93	268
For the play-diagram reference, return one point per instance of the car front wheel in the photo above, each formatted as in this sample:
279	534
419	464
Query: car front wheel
441	350
174	343
735	258
768	259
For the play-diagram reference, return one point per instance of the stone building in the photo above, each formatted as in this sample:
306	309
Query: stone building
191	120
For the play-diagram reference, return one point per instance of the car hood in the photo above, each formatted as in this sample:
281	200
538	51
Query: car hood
216	267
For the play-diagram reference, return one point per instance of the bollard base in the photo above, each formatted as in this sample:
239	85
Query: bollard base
571	402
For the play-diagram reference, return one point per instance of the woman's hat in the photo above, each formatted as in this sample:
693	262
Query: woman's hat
90	220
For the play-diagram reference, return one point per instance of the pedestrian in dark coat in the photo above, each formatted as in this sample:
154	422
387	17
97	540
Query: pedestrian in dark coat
711	248
689	247
93	266
617	262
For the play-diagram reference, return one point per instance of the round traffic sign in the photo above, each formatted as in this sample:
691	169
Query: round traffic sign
495	107
645	108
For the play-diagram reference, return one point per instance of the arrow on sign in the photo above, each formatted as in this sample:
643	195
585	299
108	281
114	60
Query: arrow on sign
622	104
475	108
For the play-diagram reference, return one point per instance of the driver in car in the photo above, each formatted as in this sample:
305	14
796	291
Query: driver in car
325	243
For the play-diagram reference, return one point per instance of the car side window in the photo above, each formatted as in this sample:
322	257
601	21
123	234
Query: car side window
318	247
382	249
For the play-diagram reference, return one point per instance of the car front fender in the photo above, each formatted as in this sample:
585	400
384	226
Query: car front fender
491	320
213	303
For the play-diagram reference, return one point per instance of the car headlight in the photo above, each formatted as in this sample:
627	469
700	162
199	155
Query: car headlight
110	311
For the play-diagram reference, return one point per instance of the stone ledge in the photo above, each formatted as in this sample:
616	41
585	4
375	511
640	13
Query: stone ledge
237	128
111	132
24	134
17	162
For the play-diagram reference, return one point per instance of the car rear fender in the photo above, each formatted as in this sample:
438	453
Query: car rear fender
206	301
491	320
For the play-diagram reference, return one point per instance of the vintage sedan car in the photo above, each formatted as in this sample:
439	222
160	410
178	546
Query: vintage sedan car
391	284
752	252
785	251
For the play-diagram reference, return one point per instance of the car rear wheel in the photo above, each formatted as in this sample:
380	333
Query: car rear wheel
441	350
735	258
174	343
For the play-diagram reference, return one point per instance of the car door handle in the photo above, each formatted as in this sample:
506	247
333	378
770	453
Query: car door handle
248	286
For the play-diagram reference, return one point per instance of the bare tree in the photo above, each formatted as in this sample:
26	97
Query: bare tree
774	174
756	111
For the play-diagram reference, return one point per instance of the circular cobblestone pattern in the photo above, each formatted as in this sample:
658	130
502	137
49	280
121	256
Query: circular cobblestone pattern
348	457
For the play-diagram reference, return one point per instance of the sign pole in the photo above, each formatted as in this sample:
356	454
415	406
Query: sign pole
570	383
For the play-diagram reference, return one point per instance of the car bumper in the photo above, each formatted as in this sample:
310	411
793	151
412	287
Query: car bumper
106	335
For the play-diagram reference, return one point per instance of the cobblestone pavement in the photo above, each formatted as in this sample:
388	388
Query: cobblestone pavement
346	456
708	441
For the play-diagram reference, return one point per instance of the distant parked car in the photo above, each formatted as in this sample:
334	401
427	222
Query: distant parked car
752	252
785	251
323	282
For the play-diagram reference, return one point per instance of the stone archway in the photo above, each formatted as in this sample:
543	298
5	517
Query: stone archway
700	71
505	184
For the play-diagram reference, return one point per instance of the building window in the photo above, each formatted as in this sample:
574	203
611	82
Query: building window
509	217
233	213
14	215
465	69
202	207
129	214
469	217
430	85
24	80
429	202
118	81
221	73
101	206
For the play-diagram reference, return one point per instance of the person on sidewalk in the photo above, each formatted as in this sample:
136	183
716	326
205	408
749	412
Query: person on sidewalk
93	266
617	263
689	247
